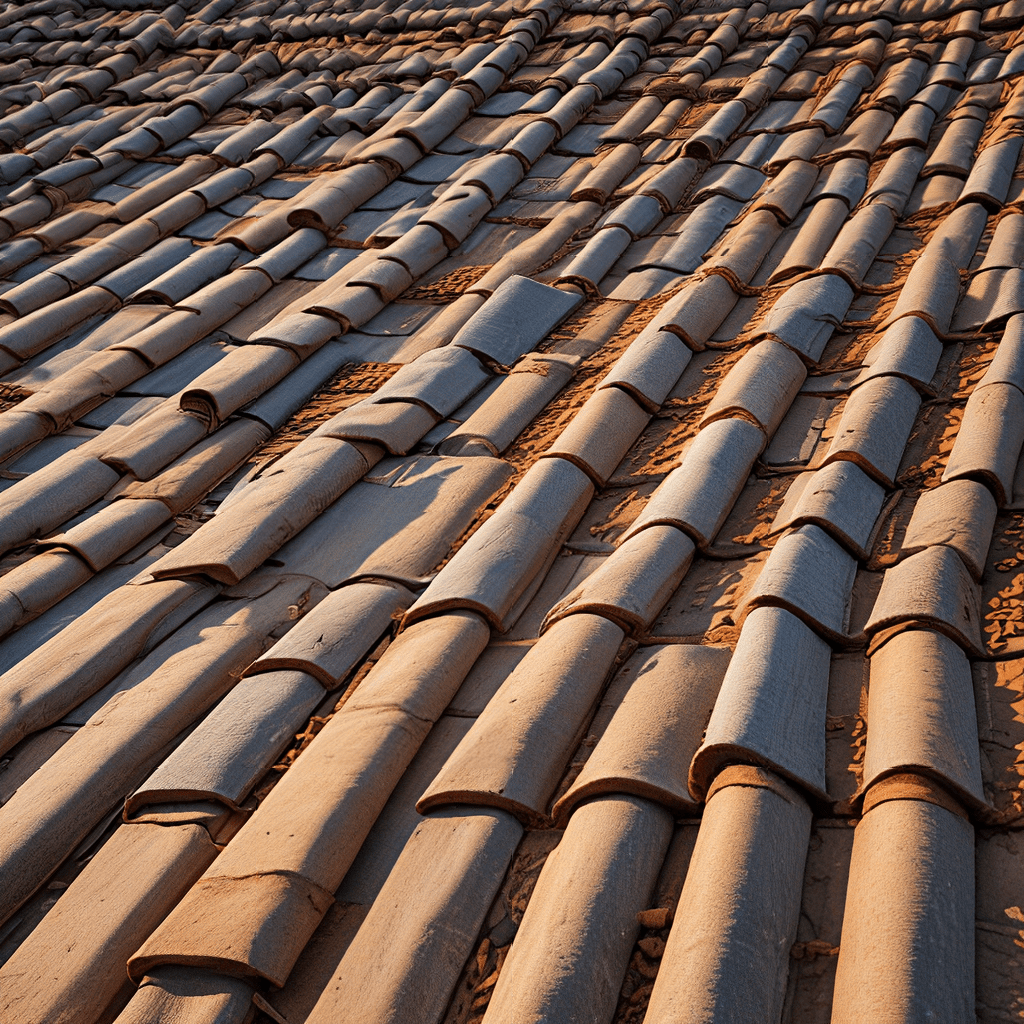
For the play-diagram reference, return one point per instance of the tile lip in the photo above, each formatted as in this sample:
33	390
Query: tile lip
542	261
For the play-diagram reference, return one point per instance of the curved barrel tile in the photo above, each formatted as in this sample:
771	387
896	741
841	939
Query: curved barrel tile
698	310
908	349
573	945
810	575
270	511
784	195
42	687
813	238
110	532
633	583
494	568
761	386
331	639
649	743
515	753
154	440
875	426
807	313
441	380
922	714
932	588
988	443
238	379
189	995
894	186
396	426
840	499
961	515
907	950
650	368
39	503
698	495
40	583
727	956
308	176
745	248
1007	366
166	692
264	897
517	400
193	475
772	705
405	959
601	433
399	524
120	897
858	243
224	757
590	265
517	317
932	287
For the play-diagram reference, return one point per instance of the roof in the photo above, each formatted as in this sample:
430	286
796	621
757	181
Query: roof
511	513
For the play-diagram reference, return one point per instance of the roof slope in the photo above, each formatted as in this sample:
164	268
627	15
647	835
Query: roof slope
511	513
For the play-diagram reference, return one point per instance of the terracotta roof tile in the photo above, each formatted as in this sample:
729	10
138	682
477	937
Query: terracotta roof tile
511	366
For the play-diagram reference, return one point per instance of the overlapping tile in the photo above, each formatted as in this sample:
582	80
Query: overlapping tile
344	349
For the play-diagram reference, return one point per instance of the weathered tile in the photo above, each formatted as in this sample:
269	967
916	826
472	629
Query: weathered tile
807	314
698	310
392	829
515	754
186	480
396	426
960	514
400	524
418	933
441	380
172	686
516	318
698	495
331	639
139	874
313	858
601	433
908	349
232	747
911	889
608	859
772	705
806	243
270	511
839	498
631	585
921	714
853	116
650	367
518	399
760	387
494	569
709	969
811	576
174	992
989	440
42	687
649	743
875	427
111	531
932	589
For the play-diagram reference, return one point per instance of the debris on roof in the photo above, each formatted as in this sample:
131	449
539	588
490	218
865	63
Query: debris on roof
511	513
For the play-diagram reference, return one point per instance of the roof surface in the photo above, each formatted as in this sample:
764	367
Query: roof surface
511	513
